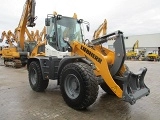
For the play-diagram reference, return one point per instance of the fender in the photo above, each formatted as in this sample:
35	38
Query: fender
49	66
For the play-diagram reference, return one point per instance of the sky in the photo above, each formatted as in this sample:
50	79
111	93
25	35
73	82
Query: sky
134	17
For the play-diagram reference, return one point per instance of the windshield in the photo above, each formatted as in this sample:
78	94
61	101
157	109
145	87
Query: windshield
67	28
70	29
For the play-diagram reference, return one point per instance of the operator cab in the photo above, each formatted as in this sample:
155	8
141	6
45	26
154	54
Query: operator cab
59	28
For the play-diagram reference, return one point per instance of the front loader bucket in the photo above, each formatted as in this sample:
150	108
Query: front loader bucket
133	86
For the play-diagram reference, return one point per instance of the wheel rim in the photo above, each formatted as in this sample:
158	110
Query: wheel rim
33	76
72	86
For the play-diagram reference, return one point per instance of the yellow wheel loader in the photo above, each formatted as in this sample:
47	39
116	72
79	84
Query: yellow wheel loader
80	66
153	56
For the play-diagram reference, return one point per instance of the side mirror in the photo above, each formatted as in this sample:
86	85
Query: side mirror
47	22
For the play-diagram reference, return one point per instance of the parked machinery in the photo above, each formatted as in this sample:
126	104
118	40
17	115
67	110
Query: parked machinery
102	29
89	65
3	41
131	54
141	54
42	34
153	56
12	41
17	56
39	48
7	40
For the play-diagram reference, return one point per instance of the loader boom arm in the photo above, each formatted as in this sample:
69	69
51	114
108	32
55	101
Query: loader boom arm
135	46
4	35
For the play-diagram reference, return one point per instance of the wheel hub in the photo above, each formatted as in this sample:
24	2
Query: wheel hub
33	76
72	86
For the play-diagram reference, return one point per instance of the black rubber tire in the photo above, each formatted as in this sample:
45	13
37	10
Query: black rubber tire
106	88
88	85
35	71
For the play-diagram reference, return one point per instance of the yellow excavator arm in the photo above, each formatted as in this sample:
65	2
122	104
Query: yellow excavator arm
36	36
8	37
42	34
136	45
41	41
101	28
11	38
4	35
29	35
27	19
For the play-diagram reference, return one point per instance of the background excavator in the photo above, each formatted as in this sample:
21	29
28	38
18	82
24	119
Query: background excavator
7	40
12	41
101	31
2	40
42	35
17	56
79	67
132	54
39	48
